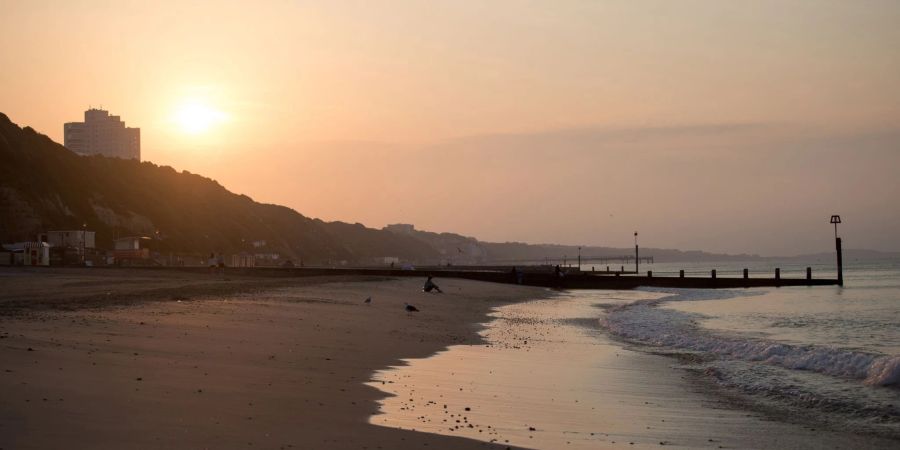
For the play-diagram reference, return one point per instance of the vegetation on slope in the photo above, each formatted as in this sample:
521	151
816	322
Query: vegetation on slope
44	186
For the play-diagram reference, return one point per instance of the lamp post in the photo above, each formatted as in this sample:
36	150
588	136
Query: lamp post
83	243
159	247
836	219
636	255
579	258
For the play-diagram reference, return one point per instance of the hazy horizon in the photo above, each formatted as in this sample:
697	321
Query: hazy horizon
723	127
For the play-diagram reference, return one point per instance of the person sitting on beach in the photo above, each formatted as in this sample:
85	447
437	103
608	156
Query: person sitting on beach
517	275
430	286
558	272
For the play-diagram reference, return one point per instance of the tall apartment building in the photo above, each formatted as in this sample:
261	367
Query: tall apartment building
102	134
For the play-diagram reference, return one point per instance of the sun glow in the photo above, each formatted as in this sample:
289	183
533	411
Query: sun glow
195	117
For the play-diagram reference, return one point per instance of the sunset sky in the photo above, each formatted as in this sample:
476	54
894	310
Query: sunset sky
721	126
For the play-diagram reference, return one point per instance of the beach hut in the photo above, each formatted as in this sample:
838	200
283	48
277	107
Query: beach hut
37	254
128	250
29	253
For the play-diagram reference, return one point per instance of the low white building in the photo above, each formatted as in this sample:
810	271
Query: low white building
71	238
29	253
36	254
128	248
243	260
129	243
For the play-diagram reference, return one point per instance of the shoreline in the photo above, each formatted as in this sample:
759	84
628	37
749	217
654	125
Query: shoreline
183	362
550	377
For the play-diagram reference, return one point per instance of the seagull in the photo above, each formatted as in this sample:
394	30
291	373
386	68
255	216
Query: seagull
410	308
368	301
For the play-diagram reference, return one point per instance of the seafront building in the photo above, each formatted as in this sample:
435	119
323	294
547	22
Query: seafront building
102	134
129	249
70	238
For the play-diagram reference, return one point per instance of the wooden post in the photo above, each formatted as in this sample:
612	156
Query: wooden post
681	273
636	254
809	273
836	219
636	259
607	269
840	262
746	274
714	273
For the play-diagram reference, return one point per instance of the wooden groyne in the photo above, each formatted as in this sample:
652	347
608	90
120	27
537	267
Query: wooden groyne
572	280
585	281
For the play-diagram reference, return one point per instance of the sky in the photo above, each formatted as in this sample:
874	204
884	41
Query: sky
734	127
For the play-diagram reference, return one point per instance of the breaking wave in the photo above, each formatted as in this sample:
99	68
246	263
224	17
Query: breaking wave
645	323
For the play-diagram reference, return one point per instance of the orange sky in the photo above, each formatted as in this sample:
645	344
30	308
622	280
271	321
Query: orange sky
725	126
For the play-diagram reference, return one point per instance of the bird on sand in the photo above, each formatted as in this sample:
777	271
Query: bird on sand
410	308
368	301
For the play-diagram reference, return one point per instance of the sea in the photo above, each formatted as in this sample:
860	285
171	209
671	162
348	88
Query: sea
827	354
736	366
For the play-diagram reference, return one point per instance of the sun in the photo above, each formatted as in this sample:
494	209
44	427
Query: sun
195	117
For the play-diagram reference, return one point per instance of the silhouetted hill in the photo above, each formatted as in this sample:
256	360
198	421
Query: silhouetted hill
850	254
458	249
518	250
44	186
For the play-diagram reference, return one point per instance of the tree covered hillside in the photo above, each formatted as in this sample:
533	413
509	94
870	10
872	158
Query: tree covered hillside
44	186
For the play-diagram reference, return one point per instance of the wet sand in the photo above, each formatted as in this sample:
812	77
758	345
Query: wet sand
145	359
548	377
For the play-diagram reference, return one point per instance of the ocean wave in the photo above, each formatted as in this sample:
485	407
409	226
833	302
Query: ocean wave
643	322
854	407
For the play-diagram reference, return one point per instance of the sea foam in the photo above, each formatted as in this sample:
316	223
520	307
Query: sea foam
643	322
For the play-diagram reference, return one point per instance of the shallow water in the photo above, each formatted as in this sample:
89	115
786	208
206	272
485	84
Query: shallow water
866	320
549	365
828	354
562	367
864	315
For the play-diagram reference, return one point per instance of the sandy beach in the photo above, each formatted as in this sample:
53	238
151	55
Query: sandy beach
154	359
166	359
